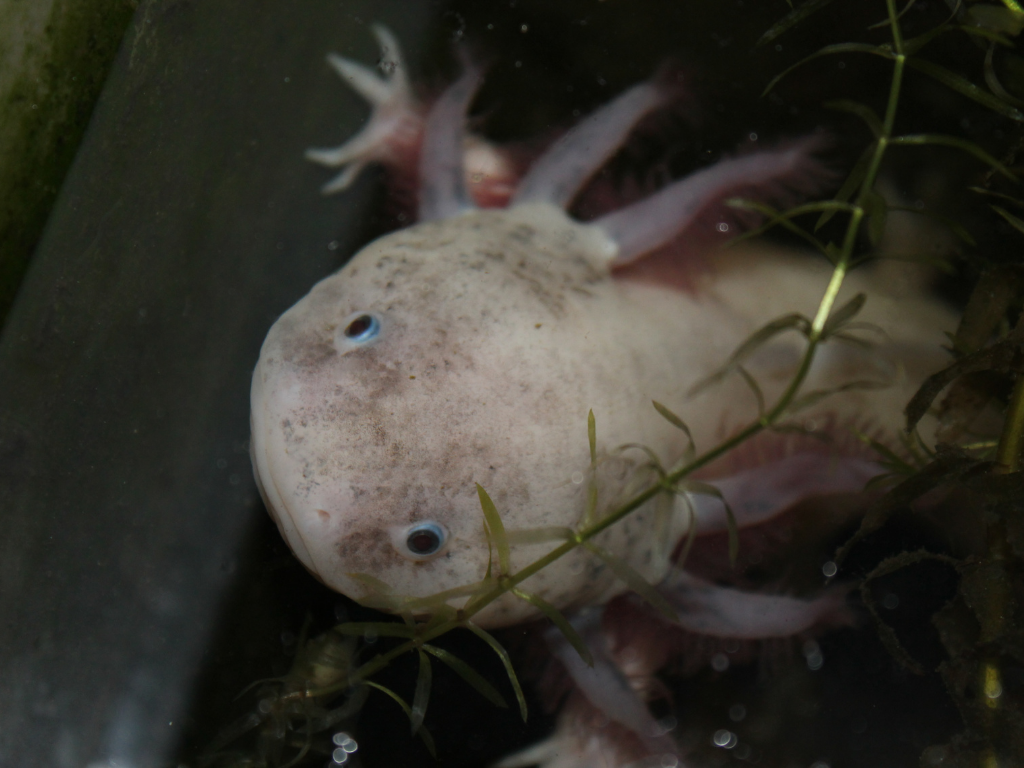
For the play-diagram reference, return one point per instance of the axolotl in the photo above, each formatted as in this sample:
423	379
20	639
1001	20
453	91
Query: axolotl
469	348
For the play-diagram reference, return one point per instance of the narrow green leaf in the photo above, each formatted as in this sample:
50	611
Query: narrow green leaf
590	513
307	742
775	218
995	19
915	44
952	141
965	87
877	213
662	525
886	633
751	382
791	19
829	50
850	186
1012	220
706	489
841	316
833	253
378	595
470	675
559	621
424	734
655	464
691	533
235	730
439	599
789	213
845	334
988	35
421	697
813	397
539	535
495	531
592	436
678	423
863	111
791	322
890	458
1013	200
371	582
487	585
993	83
506	662
888	22
636	583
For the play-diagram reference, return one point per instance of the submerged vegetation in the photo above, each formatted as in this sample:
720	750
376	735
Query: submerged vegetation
973	471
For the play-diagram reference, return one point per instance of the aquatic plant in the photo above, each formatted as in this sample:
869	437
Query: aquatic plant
293	719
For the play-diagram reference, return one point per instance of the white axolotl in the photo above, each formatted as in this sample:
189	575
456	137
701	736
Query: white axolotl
469	348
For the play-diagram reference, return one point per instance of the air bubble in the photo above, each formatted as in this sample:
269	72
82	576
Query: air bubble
577	477
829	569
719	662
345	742
666	725
725	739
812	653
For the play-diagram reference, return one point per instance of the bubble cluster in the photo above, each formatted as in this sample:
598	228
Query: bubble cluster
345	746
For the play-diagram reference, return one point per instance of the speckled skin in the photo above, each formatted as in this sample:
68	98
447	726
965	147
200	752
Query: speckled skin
500	329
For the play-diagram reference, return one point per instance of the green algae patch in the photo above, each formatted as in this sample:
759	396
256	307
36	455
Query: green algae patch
54	59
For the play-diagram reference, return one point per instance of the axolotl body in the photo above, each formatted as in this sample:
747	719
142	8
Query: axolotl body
470	348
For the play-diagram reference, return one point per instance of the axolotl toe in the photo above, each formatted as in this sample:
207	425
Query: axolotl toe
469	349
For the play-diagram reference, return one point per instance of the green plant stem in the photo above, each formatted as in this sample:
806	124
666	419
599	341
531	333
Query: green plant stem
1008	455
506	583
1012	437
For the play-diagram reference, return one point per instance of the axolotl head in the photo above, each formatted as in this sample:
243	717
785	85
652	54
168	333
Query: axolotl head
427	365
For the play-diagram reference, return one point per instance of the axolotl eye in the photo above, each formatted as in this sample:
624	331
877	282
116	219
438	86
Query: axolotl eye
420	541
361	327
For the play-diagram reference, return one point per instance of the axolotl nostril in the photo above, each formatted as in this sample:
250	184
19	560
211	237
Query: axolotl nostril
470	347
